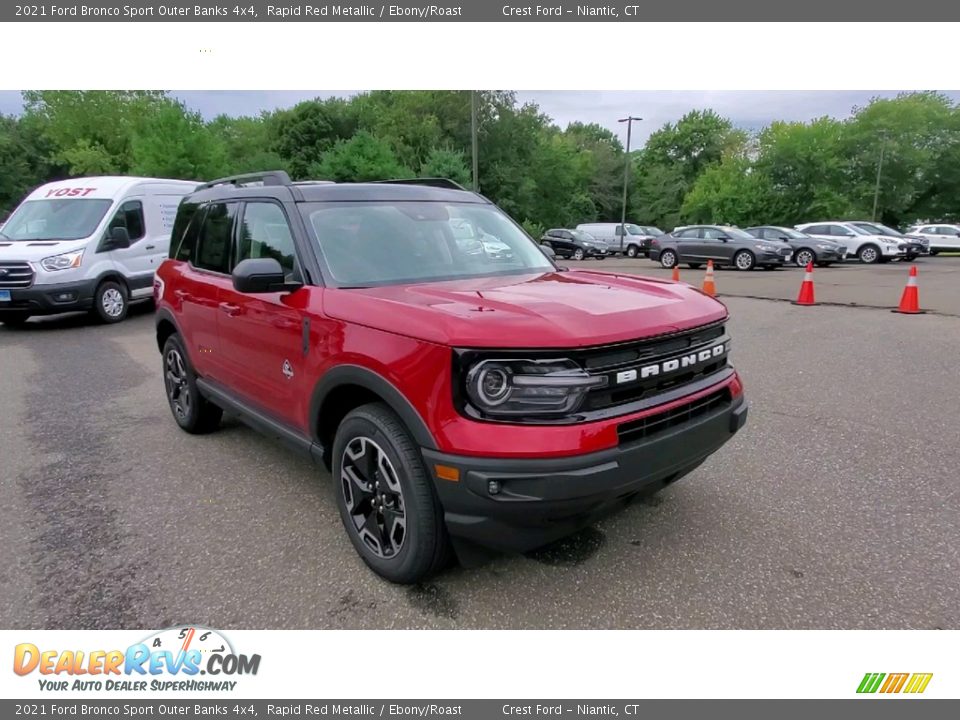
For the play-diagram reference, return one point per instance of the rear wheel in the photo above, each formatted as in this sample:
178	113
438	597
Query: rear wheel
668	259
693	266
744	260
14	319
386	498
193	413
110	302
804	257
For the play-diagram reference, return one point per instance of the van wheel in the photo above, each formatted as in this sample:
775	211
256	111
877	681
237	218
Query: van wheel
632	251
386	498
192	411
110	302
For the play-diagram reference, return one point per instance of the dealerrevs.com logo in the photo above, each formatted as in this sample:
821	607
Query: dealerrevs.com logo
178	659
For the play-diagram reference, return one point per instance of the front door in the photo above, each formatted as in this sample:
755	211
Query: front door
262	336
136	263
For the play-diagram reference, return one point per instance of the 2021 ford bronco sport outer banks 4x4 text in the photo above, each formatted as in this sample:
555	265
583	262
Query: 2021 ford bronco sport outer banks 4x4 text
462	400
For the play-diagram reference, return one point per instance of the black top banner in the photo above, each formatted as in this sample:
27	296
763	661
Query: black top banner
483	11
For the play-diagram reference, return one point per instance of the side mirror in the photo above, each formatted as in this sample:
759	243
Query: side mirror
260	275
724	238
118	238
548	251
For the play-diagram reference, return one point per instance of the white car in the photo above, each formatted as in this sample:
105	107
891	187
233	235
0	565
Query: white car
866	246
89	243
943	237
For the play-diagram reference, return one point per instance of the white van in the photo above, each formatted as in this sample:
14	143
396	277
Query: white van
86	244
636	242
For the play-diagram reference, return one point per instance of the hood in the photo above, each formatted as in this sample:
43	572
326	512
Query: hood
37	250
555	309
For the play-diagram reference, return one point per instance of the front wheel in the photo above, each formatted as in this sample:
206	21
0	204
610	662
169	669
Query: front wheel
110	302
633	251
668	259
934	252
804	257
869	254
578	254
744	260
192	412
386	498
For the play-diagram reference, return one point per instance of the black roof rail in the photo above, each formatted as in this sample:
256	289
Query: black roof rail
432	182
270	177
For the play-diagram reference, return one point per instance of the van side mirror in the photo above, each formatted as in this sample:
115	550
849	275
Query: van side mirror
260	275
118	238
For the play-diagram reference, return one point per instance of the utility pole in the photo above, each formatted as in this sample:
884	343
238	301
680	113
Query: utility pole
473	138
626	177
876	189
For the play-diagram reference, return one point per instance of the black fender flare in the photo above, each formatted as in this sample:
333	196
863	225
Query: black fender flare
163	314
365	378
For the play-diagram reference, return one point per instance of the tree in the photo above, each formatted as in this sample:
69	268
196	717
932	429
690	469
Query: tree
24	160
361	158
247	143
444	163
731	192
175	143
302	134
697	140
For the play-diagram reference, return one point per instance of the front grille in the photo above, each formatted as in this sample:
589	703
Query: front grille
647	427
15	275
616	363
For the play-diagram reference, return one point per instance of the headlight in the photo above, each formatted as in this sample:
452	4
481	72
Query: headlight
529	387
62	262
824	246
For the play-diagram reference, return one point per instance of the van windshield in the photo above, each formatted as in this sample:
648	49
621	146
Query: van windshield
55	219
367	244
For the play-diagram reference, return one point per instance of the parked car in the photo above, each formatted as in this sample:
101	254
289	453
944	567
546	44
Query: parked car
806	249
574	244
915	245
475	241
635	242
725	245
459	402
90	243
941	237
867	246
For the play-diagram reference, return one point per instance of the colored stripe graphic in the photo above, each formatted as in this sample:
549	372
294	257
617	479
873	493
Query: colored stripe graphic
870	682
894	683
918	682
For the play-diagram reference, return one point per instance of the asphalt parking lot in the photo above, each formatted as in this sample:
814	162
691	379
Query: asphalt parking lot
838	506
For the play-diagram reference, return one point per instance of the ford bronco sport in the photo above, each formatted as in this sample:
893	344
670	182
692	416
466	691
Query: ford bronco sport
462	402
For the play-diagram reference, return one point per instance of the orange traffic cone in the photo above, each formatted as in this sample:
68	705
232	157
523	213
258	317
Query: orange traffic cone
910	300
806	288
676	273
709	287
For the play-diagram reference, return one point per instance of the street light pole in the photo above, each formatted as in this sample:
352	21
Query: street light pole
473	138
626	177
876	189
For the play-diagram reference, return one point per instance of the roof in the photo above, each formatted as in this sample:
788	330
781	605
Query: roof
100	187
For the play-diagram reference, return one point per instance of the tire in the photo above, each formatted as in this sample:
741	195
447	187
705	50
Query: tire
578	254
110	302
601	257
14	319
694	266
934	253
824	264
804	256
869	254
744	260
910	258
668	259
420	546
191	411
632	251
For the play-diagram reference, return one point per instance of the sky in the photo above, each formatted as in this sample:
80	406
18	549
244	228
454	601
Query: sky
750	110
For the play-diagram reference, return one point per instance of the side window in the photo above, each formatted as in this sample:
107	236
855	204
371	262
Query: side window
265	233
618	230
130	216
215	238
815	230
689	233
711	233
183	239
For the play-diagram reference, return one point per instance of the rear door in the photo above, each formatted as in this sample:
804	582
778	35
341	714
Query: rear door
263	337
689	247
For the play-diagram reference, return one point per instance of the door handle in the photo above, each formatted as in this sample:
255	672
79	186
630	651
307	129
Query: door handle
230	309
182	294
149	247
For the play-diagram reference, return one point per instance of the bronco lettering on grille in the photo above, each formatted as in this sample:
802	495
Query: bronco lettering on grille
672	365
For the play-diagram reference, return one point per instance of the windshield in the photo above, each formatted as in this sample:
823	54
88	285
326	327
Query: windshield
57	219
875	229
583	237
652	230
738	233
635	230
366	244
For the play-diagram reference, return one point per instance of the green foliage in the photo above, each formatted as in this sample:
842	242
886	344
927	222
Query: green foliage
363	157
698	169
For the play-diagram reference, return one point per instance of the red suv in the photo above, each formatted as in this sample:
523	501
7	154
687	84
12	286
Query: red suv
463	400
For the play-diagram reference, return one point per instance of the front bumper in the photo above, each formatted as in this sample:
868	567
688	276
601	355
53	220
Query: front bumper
772	258
42	299
516	505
